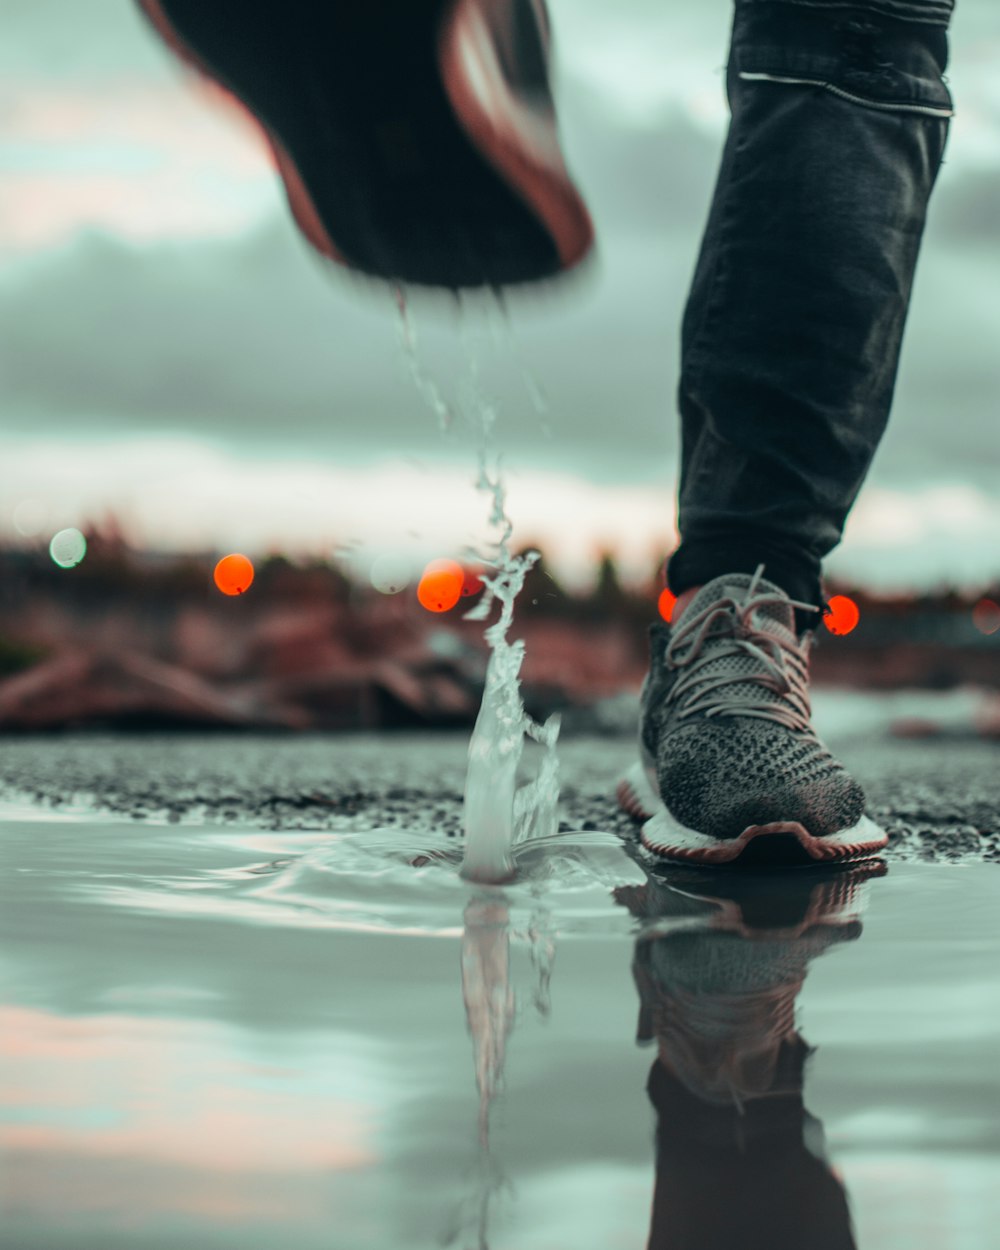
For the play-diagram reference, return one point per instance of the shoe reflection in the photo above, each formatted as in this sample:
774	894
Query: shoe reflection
740	1162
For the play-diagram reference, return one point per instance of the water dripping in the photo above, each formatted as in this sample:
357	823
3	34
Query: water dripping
427	388
505	339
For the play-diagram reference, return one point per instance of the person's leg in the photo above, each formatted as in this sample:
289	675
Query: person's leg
790	347
792	331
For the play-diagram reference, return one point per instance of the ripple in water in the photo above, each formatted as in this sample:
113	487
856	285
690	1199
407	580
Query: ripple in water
378	880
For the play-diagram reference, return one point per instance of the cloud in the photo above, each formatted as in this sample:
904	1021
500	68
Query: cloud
248	340
184	493
655	177
214	323
252	341
943	421
968	207
84	40
945	534
142	161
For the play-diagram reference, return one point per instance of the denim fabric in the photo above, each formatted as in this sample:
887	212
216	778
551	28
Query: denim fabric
936	12
791	336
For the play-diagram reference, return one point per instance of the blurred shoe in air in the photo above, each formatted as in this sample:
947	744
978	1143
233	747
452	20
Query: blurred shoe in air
416	139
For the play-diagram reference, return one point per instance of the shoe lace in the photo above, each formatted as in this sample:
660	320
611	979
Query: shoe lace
781	667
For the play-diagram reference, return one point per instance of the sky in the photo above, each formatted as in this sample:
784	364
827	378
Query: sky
172	353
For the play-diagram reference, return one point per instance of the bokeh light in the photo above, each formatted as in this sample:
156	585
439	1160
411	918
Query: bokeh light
841	615
29	517
986	616
440	586
68	548
472	583
665	603
234	574
390	574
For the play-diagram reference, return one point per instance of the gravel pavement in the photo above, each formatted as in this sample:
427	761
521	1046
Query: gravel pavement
938	798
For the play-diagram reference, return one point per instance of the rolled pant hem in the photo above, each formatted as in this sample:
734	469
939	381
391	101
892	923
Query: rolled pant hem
698	562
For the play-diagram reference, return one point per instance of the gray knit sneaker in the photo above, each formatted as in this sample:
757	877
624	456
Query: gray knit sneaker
730	767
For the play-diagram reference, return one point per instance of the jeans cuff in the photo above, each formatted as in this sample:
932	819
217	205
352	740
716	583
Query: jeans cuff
701	560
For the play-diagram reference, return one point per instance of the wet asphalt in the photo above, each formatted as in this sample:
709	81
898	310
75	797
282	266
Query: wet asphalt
939	798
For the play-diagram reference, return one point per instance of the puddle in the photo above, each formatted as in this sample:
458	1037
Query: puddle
226	1037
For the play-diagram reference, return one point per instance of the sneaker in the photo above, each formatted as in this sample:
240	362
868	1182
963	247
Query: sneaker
730	766
416	138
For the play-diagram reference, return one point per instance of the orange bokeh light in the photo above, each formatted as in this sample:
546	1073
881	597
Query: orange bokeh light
841	615
986	616
440	586
472	583
665	603
233	574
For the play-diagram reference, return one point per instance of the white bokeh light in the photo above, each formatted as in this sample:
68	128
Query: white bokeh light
29	517
67	548
391	573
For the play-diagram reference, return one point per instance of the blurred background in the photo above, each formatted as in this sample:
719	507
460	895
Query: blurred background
180	379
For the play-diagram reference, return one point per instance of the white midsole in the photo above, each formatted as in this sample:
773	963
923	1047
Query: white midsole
664	829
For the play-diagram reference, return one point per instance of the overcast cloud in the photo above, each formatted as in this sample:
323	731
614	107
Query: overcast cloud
151	283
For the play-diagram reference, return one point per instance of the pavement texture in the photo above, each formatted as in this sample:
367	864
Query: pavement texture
939	799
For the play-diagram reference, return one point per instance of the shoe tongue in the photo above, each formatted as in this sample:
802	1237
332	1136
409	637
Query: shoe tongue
774	618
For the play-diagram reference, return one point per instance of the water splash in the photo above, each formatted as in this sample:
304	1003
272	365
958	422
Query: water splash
506	340
497	814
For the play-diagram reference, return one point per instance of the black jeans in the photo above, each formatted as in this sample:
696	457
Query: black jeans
791	335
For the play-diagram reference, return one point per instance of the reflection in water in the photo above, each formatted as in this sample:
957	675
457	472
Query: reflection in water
720	962
489	1011
488	996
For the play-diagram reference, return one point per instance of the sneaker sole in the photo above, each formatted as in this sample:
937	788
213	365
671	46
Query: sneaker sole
395	172
779	843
